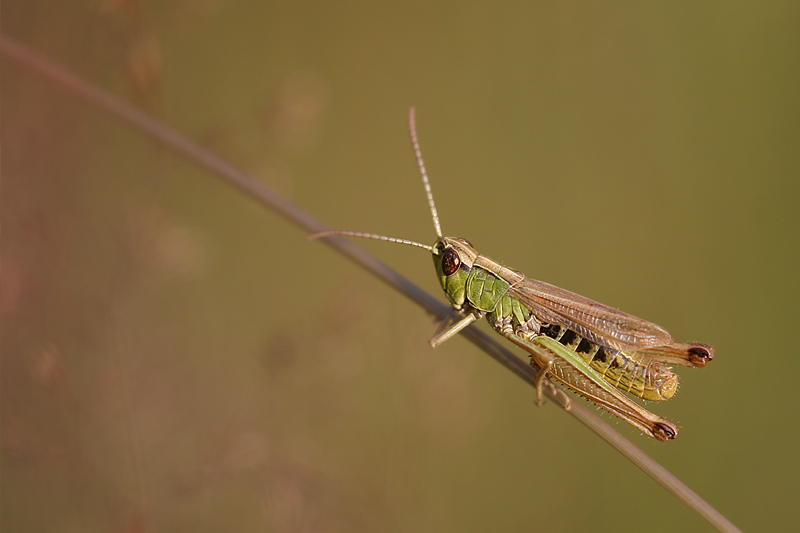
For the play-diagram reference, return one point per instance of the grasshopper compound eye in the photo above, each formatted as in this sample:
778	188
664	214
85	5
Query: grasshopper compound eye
450	261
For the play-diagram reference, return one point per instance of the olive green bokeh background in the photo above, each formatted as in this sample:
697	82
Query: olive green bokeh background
176	358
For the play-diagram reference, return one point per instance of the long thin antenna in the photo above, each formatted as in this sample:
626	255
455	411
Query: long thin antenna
363	235
412	128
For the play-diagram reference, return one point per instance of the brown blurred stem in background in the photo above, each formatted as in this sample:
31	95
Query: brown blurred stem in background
166	137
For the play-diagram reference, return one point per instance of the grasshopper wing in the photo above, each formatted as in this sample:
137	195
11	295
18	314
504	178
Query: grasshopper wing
605	325
597	322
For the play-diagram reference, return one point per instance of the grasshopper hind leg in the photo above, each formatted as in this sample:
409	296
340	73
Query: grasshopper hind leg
576	374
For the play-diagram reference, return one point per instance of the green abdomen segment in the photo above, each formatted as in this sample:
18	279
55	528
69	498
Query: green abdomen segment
630	372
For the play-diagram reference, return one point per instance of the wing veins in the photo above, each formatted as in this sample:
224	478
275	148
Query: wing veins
602	323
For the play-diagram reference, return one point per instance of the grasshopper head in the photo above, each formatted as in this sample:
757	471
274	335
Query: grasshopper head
453	259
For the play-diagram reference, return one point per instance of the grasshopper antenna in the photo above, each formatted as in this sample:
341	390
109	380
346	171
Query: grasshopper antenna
363	235
412	129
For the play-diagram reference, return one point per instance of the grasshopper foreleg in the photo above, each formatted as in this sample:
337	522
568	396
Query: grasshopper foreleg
450	326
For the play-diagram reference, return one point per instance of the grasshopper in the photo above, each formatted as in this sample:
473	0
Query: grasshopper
590	348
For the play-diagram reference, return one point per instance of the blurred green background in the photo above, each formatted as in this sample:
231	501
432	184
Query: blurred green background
176	358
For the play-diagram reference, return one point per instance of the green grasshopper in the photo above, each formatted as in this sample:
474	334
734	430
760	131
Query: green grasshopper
591	348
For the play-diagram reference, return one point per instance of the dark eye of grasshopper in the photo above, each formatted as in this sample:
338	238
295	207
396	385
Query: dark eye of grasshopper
450	262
